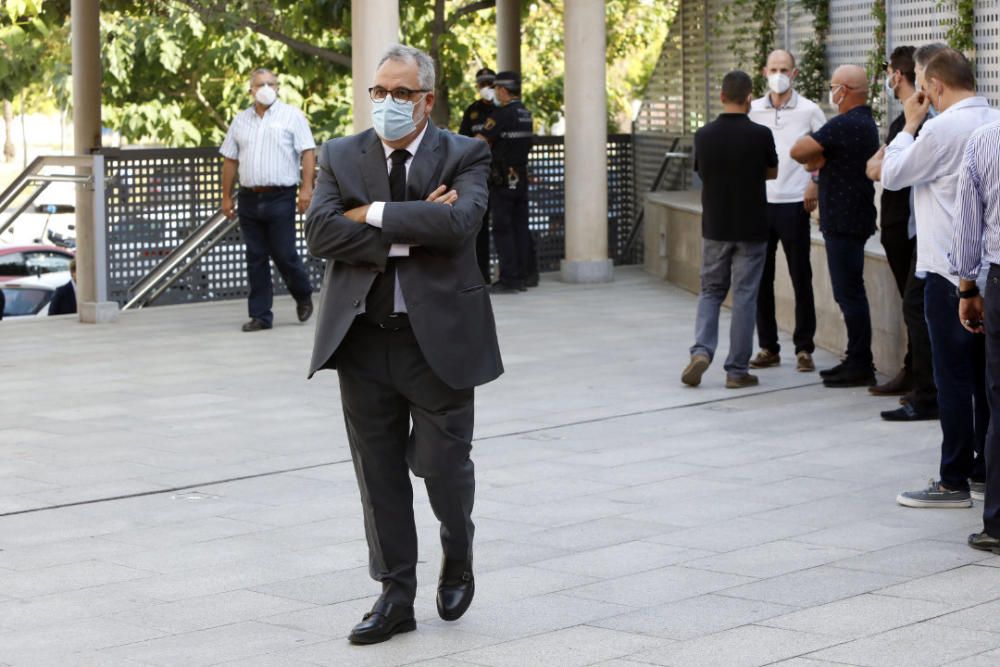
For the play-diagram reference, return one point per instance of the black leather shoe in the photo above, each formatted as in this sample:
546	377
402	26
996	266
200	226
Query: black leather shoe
897	386
256	325
532	280
830	372
851	377
456	586
984	542
908	413
382	622
304	309
503	288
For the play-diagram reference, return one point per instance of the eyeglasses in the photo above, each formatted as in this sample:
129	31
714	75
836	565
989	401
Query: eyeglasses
378	94
272	84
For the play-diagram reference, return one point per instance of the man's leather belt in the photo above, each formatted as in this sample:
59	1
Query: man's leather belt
270	188
395	322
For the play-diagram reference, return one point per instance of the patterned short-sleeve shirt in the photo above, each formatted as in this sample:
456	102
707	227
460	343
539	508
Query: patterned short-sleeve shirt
846	195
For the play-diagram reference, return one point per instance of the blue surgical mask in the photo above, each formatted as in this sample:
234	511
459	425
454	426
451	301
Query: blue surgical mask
393	120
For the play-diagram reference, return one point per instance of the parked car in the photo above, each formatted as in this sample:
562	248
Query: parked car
30	260
30	296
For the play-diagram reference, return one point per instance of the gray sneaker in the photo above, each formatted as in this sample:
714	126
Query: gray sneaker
935	495
977	490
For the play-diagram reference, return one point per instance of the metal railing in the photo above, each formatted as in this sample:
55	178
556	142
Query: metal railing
33	176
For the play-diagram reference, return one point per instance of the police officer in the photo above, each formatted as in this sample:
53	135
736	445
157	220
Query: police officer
509	133
473	120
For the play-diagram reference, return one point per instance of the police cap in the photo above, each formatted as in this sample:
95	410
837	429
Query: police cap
509	79
485	76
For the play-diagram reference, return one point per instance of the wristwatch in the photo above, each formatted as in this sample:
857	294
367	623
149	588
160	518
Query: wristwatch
969	293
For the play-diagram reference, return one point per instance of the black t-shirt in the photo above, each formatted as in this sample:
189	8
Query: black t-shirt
732	155
895	203
846	195
475	116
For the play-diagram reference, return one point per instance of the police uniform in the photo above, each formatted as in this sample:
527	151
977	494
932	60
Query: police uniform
509	131
473	120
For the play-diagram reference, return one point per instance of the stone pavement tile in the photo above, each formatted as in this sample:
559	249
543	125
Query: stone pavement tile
657	587
532	616
326	588
501	554
693	617
184	532
62	553
539	493
592	534
808	588
968	584
918	645
915	559
771	560
643	472
620	559
571	647
531	471
201	613
271	660
58	608
809	662
425	643
558	514
309	511
510	584
336	620
273	490
748	645
207	647
25	530
57	644
690	512
988	659
870	535
984	617
738	533
829	512
859	616
203	554
69	577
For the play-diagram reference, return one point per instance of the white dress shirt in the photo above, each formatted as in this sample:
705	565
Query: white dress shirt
268	147
930	164
376	208
795	119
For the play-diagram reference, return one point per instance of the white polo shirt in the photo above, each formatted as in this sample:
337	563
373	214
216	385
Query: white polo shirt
788	123
268	148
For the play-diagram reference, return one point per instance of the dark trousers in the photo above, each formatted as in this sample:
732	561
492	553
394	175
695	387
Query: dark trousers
960	374
845	257
991	508
483	247
385	383
789	225
899	249
267	220
921	366
514	243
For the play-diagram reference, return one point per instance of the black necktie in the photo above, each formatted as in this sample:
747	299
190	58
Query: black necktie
381	300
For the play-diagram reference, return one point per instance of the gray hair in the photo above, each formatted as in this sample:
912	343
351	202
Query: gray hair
261	70
923	54
425	64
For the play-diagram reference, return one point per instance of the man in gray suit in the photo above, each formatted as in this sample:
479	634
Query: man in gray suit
406	320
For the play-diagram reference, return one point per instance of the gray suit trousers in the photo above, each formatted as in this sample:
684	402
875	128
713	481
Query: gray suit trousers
385	382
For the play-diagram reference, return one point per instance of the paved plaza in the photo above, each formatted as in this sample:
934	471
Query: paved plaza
196	504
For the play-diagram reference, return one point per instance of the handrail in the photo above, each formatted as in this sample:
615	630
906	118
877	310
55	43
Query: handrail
180	259
32	176
671	154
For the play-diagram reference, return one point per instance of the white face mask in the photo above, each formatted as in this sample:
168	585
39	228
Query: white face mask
266	95
833	97
779	83
487	94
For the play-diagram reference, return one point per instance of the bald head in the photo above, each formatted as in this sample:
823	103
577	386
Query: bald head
780	60
849	87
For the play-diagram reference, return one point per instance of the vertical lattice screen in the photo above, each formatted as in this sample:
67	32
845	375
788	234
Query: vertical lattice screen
987	36
694	86
913	23
724	20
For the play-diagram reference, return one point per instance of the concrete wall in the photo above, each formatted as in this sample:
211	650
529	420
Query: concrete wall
672	230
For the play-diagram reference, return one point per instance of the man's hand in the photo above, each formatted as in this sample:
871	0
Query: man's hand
970	314
228	209
811	197
305	198
442	195
873	170
915	109
358	214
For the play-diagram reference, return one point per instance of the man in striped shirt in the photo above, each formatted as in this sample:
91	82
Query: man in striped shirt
975	244
265	145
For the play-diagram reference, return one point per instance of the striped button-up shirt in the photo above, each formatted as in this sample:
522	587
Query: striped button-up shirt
268	148
977	207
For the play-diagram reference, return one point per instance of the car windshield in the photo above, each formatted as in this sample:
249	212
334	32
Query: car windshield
24	301
45	262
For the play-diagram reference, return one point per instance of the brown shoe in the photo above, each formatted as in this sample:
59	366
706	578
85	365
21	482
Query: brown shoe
897	386
741	381
765	359
695	369
804	362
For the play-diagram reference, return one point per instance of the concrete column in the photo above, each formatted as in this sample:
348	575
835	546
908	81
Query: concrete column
508	35
85	18
374	28
586	102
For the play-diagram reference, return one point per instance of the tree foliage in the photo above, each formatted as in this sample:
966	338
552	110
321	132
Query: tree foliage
175	71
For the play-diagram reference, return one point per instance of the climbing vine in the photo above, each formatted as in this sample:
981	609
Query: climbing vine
811	81
876	91
760	30
961	31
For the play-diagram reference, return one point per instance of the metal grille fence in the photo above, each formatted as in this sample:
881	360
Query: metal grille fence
155	198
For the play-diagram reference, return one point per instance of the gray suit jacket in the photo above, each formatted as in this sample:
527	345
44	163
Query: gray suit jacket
448	304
